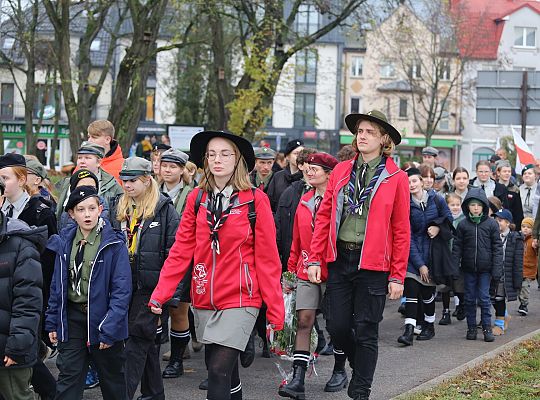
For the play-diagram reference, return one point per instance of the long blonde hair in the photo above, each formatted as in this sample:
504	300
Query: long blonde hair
240	179
146	207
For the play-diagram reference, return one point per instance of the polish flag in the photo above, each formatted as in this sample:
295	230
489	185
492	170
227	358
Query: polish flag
524	155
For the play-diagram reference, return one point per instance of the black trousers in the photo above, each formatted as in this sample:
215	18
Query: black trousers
355	302
142	355
73	359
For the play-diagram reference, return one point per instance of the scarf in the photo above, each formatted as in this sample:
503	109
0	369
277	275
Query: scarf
134	224
357	198
318	201
216	217
476	219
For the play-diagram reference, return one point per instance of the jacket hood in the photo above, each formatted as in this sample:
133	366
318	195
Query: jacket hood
477	194
163	200
15	227
115	152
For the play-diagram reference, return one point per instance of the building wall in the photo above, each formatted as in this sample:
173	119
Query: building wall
519	57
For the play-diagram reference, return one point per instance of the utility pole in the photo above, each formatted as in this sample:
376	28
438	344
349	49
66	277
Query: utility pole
524	90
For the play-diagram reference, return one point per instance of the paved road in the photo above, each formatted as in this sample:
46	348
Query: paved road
399	369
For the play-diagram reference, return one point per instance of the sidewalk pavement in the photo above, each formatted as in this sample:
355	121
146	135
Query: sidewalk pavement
398	371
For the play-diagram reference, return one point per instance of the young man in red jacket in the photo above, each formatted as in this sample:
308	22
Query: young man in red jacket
362	231
101	132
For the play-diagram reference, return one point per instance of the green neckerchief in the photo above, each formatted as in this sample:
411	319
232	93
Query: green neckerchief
476	219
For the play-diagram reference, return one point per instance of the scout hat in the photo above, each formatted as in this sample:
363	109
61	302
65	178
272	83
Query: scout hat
264	153
293	144
133	167
12	160
324	160
78	176
373	116
80	194
413	171
430	151
161	147
174	156
35	167
199	142
440	173
91	148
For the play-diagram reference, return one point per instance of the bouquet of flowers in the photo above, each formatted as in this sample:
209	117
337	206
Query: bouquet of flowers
283	341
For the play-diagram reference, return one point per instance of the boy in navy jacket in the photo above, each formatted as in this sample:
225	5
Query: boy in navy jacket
89	299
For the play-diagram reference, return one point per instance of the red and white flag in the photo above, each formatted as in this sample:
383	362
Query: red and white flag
524	155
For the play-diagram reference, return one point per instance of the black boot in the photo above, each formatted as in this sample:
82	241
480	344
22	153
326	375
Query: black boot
204	385
488	334
363	396
248	355
295	388
174	369
471	333
337	382
460	312
445	320
408	336
428	331
266	351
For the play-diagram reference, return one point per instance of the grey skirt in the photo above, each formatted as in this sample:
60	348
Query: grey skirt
231	327
309	295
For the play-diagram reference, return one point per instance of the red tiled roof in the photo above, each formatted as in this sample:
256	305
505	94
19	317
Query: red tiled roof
480	24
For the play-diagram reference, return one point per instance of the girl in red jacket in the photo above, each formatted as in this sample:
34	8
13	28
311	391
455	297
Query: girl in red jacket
309	294
235	268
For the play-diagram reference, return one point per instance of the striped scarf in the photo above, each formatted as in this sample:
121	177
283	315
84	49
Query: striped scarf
216	217
357	200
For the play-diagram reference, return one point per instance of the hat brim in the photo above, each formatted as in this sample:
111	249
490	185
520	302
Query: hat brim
352	119
124	177
199	142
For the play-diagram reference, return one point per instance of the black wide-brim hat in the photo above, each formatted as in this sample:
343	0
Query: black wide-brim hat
374	116
199	142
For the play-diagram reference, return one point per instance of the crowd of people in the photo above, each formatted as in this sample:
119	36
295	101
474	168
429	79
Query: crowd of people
125	254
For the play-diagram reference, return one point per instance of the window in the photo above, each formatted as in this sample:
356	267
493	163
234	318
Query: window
483	153
304	110
355	105
307	19
402	108
387	70
525	37
444	123
415	70
45	100
357	63
8	43
444	71
306	66
6	100
388	109
95	45
149	106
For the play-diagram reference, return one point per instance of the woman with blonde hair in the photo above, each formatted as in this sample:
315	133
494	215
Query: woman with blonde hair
228	235
149	221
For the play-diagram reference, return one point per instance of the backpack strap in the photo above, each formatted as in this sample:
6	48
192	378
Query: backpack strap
252	213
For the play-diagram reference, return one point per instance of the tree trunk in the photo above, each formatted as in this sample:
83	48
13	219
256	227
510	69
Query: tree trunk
54	142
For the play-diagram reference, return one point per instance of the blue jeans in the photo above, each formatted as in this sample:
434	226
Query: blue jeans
477	290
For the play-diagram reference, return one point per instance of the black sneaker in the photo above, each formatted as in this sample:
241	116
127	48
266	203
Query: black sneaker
488	334
523	310
471	333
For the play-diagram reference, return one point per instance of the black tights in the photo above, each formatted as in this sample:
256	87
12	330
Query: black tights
222	371
414	290
446	299
500	308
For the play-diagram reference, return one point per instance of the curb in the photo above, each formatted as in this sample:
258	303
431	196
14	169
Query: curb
468	365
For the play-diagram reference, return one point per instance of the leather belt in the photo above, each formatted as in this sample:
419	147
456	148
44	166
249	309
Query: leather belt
351	246
82	307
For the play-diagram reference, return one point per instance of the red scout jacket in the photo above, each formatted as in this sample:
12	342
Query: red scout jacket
388	232
302	234
245	274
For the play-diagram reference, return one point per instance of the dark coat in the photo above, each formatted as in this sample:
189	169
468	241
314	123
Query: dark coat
478	247
38	212
513	266
443	269
510	200
109	287
281	181
155	240
20	285
284	218
436	210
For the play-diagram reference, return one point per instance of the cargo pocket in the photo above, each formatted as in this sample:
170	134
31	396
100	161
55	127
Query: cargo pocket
248	320
373	308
